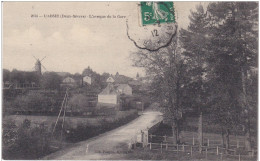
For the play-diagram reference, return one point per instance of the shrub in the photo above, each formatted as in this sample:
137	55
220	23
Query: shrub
84	131
31	101
24	142
79	103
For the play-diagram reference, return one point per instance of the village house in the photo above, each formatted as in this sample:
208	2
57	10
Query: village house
68	82
124	89
110	80
109	95
87	79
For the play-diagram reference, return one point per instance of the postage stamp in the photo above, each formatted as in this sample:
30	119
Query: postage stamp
157	12
156	28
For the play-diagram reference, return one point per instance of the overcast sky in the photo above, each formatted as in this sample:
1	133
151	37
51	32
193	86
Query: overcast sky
73	44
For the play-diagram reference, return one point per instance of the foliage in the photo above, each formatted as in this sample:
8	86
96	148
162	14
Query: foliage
25	141
17	76
169	71
6	75
222	44
209	69
79	103
32	141
83	130
51	80
32	101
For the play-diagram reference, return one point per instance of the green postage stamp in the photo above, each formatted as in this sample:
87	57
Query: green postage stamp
157	12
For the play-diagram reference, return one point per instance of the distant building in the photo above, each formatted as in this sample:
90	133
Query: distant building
69	82
117	74
37	67
137	76
109	95
124	89
110	80
87	79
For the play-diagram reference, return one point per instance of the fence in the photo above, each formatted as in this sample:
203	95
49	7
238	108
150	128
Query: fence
190	149
211	147
237	143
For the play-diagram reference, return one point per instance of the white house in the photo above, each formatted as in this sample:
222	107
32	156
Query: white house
124	89
110	80
68	80
87	79
109	95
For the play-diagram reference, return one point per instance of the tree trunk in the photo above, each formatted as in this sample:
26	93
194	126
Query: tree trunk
246	108
223	138
175	132
248	136
227	140
200	133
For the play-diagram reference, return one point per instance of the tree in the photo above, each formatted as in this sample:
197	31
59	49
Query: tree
51	80
17	76
6	75
88	71
168	69
194	42
234	51
79	103
223	41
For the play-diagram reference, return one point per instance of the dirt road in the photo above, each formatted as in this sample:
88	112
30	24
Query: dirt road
107	146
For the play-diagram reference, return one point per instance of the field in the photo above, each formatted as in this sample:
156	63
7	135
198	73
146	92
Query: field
27	134
73	121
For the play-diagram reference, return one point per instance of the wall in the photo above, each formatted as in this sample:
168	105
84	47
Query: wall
112	99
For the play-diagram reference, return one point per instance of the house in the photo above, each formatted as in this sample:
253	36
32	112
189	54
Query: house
124	89
110	80
121	79
87	79
109	95
68	82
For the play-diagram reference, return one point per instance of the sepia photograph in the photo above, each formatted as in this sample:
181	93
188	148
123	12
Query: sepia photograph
130	80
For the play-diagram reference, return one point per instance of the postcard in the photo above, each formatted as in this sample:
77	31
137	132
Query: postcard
129	80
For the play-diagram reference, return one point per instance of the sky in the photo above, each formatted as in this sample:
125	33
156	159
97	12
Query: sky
73	44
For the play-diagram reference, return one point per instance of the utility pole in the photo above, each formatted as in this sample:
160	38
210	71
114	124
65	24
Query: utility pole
63	107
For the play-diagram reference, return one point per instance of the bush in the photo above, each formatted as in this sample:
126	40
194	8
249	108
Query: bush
33	101
51	80
79	103
102	109
85	131
24	142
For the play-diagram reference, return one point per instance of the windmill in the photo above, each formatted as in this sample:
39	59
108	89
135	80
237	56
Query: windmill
38	65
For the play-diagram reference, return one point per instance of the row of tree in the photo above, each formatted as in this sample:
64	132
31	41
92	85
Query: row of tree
209	67
52	80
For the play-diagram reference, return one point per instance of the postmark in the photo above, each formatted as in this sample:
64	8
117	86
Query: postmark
156	25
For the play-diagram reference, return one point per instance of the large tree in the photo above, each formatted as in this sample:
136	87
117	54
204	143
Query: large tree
234	52
51	80
168	68
194	42
223	40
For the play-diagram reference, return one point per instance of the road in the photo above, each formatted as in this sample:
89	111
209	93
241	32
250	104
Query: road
109	145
